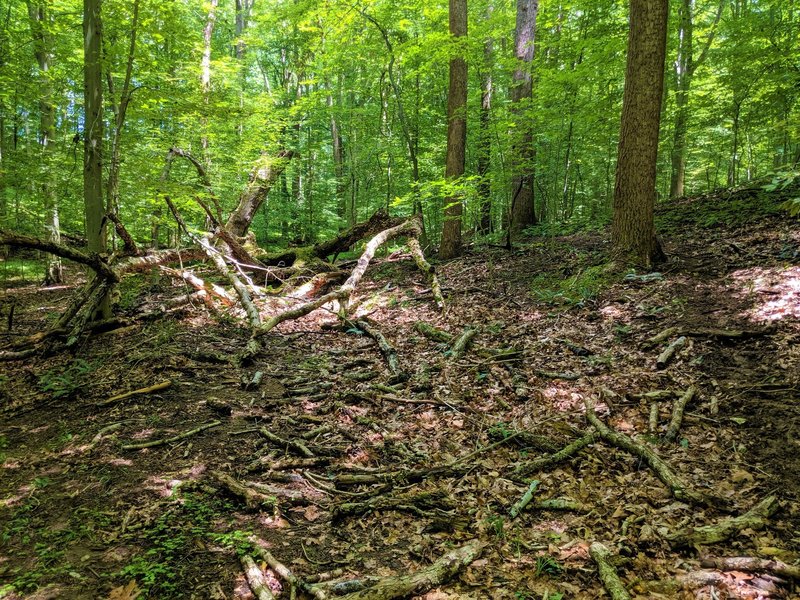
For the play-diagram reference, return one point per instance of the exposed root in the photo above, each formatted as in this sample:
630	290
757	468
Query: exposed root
755	518
608	574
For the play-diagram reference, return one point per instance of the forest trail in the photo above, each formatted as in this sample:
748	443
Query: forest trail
342	451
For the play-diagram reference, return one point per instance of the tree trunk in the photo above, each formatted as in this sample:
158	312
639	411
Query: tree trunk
39	18
456	134
93	136
484	150
522	209
633	230
120	109
205	77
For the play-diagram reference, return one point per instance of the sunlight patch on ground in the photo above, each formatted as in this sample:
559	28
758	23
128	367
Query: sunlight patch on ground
778	292
562	399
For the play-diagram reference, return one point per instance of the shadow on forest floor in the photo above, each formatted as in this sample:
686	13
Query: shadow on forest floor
81	514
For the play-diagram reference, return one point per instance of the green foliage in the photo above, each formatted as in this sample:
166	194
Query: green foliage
547	565
65	382
575	290
174	536
19	271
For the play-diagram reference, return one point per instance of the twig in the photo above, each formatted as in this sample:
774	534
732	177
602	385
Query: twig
177	438
520	505
546	462
253	499
296	445
145	390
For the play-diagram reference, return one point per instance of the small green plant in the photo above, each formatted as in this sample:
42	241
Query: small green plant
571	291
497	526
547	565
62	383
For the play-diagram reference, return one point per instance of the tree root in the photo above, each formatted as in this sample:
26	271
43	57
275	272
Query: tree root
658	465
608	574
295	445
755	518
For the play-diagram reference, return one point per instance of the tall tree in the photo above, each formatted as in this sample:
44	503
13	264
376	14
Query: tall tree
523	213
685	67
40	23
94	210
484	148
633	230
450	246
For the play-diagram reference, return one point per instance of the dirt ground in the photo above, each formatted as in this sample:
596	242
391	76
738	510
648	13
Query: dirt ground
83	516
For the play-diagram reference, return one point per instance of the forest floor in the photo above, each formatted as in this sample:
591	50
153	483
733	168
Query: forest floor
82	516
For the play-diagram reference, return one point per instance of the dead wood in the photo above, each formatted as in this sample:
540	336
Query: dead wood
256	579
677	414
282	571
454	469
755	518
145	390
700	579
423	265
652	422
462	342
425	504
265	174
669	352
751	564
520	504
545	462
156	258
423	580
129	246
388	351
253	499
379	221
295	445
434	333
679	488
608	573
92	260
211	289
566	504
169	440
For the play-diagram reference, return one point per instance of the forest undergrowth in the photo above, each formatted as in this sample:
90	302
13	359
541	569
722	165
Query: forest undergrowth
346	471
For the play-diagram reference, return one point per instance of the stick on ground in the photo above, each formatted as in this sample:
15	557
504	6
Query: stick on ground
608	574
677	414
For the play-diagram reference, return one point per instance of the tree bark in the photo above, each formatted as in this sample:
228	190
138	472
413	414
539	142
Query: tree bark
522	209
450	246
633	229
120	110
205	76
485	137
93	137
39	18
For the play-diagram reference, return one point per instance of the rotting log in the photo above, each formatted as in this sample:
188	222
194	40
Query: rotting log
462	342
212	289
669	352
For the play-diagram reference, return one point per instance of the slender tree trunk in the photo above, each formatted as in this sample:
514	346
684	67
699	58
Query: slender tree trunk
523	213
633	230
456	134
337	147
93	135
40	22
205	78
484	150
120	109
